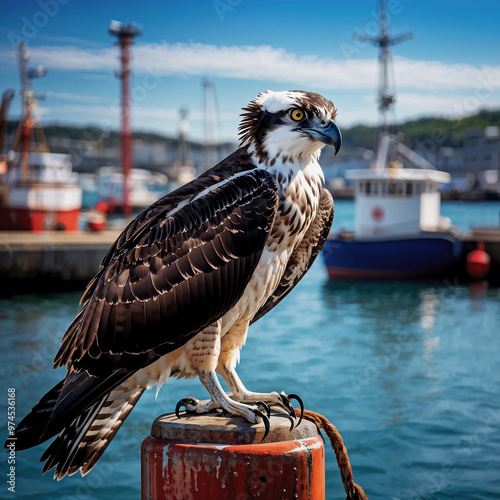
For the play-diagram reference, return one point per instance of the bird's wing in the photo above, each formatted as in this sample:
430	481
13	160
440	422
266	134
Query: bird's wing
172	276
234	164
304	254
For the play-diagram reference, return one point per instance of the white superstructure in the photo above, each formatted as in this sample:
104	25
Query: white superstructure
397	201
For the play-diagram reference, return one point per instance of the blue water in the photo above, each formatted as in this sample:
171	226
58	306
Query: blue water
408	372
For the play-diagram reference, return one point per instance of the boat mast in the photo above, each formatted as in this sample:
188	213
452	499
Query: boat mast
210	146
27	122
183	154
7	98
385	99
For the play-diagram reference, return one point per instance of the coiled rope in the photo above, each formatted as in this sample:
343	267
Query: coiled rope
353	490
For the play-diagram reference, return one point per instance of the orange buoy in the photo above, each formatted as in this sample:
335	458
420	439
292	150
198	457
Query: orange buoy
211	456
478	262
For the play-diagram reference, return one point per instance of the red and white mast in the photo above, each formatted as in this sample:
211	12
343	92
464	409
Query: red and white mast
125	34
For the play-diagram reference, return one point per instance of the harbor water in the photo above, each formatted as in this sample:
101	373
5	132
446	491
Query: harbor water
409	372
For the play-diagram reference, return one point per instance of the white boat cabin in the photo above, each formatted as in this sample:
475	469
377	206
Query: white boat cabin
47	168
397	201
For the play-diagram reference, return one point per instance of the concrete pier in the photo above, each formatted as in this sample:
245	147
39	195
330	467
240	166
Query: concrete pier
53	259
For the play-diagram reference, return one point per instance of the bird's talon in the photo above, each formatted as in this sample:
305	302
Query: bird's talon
285	415
185	402
301	404
265	420
264	407
285	403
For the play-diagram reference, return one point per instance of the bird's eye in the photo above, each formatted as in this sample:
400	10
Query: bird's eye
297	114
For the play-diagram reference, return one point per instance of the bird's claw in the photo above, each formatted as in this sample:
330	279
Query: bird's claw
187	403
265	420
263	407
286	402
301	404
285	415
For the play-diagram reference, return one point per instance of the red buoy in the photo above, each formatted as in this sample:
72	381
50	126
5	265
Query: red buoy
219	457
478	262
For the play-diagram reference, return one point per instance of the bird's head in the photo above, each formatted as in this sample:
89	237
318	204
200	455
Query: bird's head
293	125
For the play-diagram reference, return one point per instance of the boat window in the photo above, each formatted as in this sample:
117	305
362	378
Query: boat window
361	187
409	189
368	188
375	187
400	188
391	188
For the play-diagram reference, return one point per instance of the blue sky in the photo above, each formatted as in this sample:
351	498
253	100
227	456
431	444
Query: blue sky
450	68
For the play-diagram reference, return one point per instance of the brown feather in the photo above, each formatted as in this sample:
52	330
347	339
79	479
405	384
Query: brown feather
298	265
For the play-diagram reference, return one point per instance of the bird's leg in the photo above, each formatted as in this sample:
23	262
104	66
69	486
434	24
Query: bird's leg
242	394
252	413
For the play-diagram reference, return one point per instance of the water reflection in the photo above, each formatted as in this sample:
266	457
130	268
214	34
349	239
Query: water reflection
392	334
422	361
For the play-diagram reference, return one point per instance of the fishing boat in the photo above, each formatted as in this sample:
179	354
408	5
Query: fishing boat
398	228
38	190
398	232
145	187
45	198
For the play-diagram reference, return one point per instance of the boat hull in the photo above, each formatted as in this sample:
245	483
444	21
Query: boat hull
38	220
426	254
39	207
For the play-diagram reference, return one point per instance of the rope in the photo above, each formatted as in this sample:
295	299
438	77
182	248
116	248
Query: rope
353	490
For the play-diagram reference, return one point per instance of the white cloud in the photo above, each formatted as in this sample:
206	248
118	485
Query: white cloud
267	63
69	96
454	106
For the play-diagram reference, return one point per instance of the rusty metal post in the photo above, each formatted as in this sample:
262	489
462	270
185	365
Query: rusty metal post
218	457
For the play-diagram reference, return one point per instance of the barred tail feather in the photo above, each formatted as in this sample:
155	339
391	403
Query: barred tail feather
30	431
80	444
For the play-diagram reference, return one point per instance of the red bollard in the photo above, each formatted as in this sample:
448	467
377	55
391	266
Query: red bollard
216	457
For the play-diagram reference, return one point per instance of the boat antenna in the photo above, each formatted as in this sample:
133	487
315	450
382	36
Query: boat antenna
385	98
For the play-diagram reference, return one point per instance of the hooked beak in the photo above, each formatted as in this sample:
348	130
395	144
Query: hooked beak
329	135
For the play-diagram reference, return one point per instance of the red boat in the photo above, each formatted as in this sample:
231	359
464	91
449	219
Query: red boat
38	191
46	199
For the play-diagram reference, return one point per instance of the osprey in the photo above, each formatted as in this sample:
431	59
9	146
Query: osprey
177	291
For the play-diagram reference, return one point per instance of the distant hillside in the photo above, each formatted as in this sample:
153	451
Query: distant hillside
112	137
449	133
94	134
